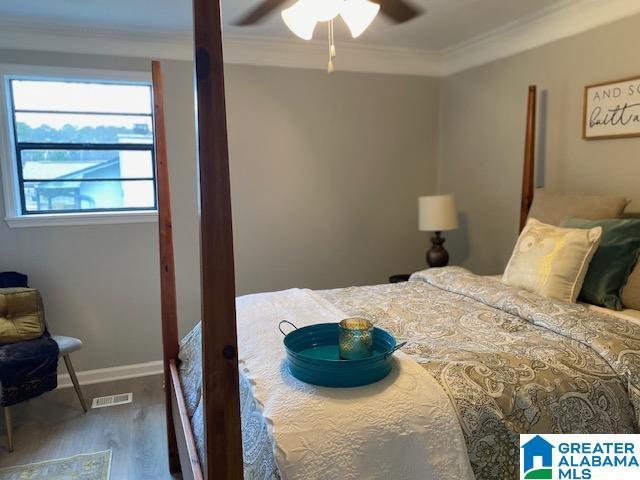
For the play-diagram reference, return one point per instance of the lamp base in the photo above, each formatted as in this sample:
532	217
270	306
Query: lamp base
437	256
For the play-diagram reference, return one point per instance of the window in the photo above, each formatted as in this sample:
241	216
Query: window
82	146
79	146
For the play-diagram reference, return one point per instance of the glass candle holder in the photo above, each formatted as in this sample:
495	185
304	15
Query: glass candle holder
355	338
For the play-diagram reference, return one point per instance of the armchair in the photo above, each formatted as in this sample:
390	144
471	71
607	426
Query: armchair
28	354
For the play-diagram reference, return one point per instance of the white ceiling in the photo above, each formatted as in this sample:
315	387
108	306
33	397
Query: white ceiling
453	35
446	22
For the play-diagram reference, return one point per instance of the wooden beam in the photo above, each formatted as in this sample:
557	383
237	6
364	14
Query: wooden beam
529	158
190	465
221	393
167	267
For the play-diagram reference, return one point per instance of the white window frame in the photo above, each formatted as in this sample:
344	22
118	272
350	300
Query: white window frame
8	161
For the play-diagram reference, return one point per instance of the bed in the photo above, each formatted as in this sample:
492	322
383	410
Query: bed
509	361
485	362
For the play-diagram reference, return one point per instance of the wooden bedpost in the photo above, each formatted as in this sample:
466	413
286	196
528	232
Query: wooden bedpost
223	442
167	266
529	157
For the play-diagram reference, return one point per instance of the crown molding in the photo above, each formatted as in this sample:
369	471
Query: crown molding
20	33
565	19
23	34
351	57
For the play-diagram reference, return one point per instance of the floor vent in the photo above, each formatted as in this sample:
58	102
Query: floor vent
112	400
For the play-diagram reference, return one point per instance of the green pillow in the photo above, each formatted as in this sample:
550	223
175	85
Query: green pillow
612	263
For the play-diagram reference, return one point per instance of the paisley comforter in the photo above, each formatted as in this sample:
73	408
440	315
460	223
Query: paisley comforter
510	362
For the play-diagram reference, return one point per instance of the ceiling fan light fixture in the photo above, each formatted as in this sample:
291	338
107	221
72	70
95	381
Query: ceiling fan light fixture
300	19
358	15
324	10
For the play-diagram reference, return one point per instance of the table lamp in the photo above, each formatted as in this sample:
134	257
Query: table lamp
437	213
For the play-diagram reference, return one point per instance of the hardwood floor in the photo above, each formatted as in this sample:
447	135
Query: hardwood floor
54	426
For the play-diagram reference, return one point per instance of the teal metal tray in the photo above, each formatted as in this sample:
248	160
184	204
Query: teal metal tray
313	356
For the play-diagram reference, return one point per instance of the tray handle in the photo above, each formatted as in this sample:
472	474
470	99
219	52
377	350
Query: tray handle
397	347
280	326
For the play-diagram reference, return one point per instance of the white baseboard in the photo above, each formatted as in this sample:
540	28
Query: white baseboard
110	374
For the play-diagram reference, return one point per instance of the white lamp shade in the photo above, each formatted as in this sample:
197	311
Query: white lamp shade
437	213
300	19
358	15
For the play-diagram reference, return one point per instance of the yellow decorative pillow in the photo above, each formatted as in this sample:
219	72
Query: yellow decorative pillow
21	314
552	261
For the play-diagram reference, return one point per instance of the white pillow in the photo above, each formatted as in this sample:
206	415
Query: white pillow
552	261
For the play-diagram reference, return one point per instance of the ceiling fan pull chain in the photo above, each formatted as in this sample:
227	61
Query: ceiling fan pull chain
333	41
332	48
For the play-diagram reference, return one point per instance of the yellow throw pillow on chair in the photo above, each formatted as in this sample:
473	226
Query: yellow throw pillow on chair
552	261
21	314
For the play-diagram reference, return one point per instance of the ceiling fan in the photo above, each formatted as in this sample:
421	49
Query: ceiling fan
303	16
397	11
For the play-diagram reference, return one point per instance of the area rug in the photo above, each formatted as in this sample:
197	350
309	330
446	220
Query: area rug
90	466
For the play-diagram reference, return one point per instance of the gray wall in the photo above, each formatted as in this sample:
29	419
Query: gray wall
100	282
325	174
482	120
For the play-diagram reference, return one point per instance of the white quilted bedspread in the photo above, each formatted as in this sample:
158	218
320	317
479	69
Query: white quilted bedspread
400	428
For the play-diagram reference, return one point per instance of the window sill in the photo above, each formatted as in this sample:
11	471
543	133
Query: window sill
93	218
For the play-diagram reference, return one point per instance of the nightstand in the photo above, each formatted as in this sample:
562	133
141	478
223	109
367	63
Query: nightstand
402	277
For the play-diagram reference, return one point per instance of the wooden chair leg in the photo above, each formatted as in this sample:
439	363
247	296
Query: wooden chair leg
74	380
9	427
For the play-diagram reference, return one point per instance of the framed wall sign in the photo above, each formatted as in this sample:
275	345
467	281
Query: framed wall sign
612	109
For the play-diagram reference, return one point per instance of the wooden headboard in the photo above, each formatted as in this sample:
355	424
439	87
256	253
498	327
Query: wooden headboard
528	170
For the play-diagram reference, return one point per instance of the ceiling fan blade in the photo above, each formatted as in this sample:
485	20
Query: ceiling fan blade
259	13
398	10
